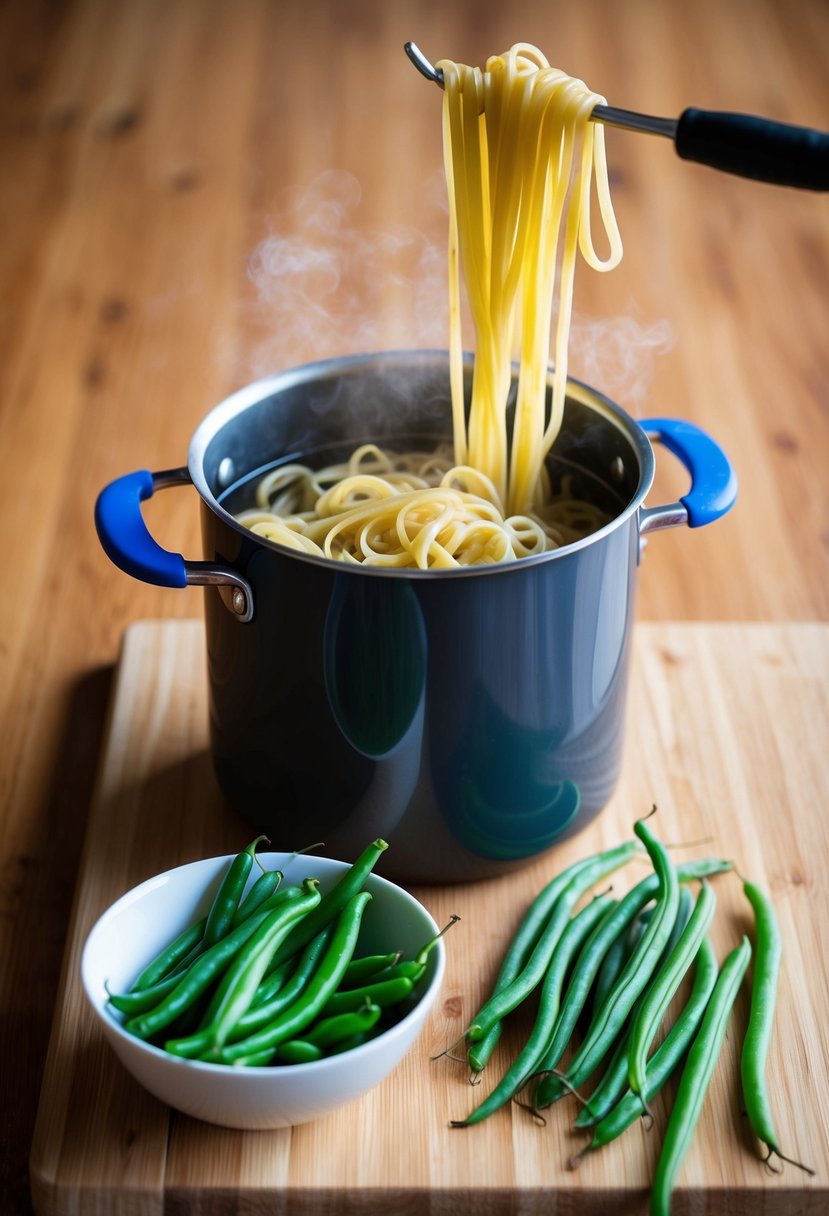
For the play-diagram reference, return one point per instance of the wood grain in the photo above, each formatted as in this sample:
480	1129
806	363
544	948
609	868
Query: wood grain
724	734
150	150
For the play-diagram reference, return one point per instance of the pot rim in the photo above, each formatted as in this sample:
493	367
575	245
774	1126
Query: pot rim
249	396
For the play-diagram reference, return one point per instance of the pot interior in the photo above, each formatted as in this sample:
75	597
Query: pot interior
318	415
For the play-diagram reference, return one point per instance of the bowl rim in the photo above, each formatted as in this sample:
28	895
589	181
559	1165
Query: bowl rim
113	1025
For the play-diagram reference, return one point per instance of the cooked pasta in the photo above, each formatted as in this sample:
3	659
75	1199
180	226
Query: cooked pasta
522	159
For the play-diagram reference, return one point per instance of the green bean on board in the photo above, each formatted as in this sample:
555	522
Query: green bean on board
226	899
610	969
636	973
768	949
549	1087
663	987
509	997
667	1057
696	1076
614	1079
518	952
568	945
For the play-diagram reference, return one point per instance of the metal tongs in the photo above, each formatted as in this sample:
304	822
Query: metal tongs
743	144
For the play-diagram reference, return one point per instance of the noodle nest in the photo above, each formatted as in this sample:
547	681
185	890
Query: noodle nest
412	510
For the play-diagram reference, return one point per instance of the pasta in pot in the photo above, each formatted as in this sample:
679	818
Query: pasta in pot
521	160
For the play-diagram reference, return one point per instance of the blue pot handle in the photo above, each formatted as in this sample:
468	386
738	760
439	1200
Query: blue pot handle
127	542
125	537
713	480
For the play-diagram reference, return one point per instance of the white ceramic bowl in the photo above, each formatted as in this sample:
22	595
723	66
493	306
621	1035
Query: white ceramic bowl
140	924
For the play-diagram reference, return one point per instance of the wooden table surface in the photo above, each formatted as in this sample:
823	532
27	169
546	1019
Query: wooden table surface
196	193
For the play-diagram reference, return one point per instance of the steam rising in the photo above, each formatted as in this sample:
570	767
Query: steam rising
616	356
327	285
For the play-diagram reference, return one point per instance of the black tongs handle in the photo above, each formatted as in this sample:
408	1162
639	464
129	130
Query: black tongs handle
755	147
752	147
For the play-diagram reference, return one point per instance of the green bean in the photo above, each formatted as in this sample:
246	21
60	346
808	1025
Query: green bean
332	903
204	971
383	992
359	970
142	999
635	975
663	987
611	968
329	1031
696	1076
273	982
518	953
614	1079
240	981
296	1051
172	954
568	944
413	968
304	1011
768	949
259	1060
668	1055
226	899
509	997
549	1087
610	929
260	1015
354	1040
262	889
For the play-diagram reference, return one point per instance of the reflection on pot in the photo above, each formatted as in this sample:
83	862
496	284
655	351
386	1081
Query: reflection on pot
512	830
375	662
375	678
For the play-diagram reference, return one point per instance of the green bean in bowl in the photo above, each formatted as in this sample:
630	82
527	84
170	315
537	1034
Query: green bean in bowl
264	989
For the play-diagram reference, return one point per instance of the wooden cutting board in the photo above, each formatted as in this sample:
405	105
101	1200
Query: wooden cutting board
727	734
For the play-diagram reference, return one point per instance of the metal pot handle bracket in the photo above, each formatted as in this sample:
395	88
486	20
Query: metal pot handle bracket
127	542
713	480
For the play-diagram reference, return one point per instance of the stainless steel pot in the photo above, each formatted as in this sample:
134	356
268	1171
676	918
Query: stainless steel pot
472	717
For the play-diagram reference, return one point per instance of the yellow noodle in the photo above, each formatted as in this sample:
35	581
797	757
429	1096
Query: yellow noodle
522	159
